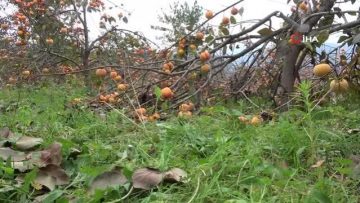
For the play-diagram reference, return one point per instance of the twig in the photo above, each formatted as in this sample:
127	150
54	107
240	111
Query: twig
321	99
247	98
327	13
61	56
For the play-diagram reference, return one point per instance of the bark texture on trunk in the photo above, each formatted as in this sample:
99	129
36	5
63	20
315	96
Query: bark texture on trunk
288	74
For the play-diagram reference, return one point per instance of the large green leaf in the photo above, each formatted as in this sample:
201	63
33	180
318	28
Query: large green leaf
309	46
233	20
328	20
265	32
323	36
209	38
225	31
342	38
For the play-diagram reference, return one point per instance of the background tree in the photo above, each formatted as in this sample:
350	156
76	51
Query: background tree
58	33
181	18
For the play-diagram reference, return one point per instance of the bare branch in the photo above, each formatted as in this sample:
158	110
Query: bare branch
61	56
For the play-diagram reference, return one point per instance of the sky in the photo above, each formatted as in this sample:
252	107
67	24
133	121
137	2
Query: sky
144	12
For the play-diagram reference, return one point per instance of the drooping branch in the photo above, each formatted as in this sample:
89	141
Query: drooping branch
327	13
61	56
92	44
352	24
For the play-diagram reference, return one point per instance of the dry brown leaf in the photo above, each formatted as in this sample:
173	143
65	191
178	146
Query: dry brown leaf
353	131
20	179
26	142
57	172
355	166
355	159
51	155
22	166
15	156
7	137
45	180
146	178
5	132
19	160
74	153
108	179
318	164
51	176
36	186
175	175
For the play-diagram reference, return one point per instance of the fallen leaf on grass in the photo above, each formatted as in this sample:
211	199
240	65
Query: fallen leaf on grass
355	166
146	178
36	186
5	132
74	153
355	159
57	172
22	166
52	155
175	175
318	164
45	180
353	131
18	160
14	156
7	137
19	141
26	142
51	176
108	179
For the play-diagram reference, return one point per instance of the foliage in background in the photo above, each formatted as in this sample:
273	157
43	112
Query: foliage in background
179	20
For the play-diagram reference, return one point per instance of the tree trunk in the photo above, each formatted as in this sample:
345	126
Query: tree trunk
86	67
290	54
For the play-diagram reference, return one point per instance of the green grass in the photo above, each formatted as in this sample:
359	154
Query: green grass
226	161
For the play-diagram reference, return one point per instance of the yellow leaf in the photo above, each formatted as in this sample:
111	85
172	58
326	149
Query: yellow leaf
318	164
36	185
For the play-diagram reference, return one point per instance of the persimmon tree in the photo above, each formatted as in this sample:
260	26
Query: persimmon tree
60	30
316	20
230	58
273	49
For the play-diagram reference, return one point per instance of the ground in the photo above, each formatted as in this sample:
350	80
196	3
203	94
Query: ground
299	156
